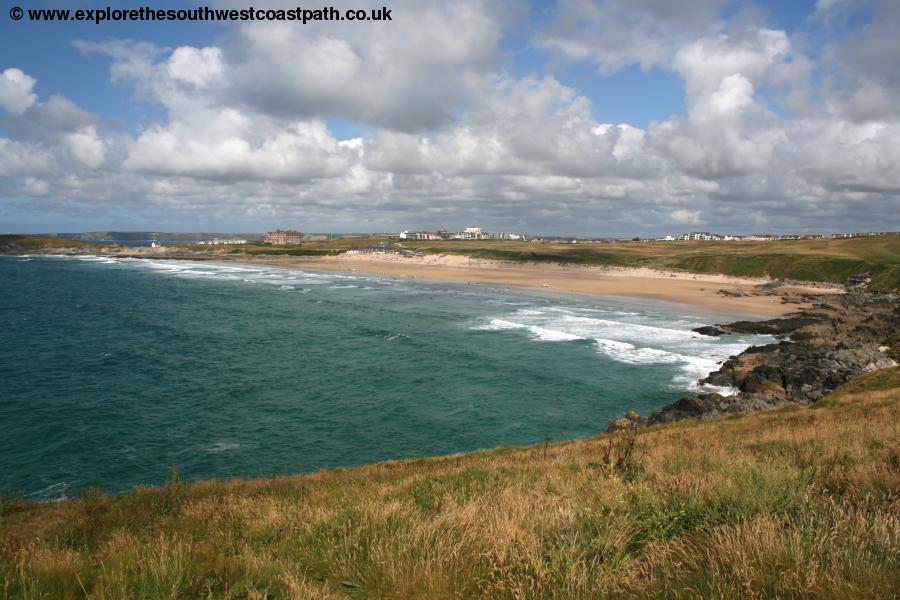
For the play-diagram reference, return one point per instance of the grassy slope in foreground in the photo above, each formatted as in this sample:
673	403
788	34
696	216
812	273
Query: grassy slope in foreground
798	502
825	260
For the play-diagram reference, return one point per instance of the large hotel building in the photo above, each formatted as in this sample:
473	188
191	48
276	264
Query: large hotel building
283	236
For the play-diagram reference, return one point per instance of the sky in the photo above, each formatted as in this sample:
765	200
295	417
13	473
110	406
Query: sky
568	117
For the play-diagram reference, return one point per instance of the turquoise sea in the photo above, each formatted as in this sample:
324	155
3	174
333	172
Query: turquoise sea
114	371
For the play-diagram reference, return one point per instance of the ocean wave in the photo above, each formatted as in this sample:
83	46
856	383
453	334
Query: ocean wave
633	338
538	333
621	329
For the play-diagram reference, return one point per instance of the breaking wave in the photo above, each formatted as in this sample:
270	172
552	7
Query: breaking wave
629	337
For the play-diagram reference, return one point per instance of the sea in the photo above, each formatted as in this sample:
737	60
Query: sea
114	372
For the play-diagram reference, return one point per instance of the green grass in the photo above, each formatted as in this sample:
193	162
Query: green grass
798	502
18	244
323	248
287	251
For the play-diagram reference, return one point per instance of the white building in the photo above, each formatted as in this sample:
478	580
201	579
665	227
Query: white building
223	242
472	233
701	236
418	235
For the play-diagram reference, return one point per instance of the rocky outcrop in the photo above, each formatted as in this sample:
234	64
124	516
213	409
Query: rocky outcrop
818	349
778	327
710	405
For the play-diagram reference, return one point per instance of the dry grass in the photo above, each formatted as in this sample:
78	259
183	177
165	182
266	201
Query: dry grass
798	502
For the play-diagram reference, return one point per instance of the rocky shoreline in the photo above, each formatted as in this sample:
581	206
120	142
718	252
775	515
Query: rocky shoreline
818	349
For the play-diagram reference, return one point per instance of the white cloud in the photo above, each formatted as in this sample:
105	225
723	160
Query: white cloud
199	68
614	34
86	147
21	159
16	93
409	74
229	145
35	187
771	137
685	216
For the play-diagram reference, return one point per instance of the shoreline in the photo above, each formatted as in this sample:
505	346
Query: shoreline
720	294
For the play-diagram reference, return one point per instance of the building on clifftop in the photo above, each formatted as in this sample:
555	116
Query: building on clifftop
282	237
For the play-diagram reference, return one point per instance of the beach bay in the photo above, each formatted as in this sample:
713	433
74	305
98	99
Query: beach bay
118	370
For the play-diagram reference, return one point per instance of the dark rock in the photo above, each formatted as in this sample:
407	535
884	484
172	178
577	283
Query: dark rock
710	330
720	379
781	326
829	345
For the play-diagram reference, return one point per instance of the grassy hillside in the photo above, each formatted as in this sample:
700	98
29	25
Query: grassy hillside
23	244
826	260
799	502
323	248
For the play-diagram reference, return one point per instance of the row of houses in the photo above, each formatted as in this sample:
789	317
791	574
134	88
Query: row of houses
706	236
222	242
469	233
863	234
762	237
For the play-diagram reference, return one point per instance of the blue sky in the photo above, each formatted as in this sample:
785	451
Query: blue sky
572	117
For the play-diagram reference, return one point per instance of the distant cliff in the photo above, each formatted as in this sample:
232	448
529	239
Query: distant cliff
28	244
161	236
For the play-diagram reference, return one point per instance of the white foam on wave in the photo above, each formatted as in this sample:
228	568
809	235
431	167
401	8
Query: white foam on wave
552	335
499	325
630	354
278	278
633	338
625	330
538	333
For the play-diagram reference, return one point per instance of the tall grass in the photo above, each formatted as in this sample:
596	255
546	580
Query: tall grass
795	503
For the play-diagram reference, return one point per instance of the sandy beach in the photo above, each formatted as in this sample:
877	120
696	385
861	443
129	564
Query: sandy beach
702	290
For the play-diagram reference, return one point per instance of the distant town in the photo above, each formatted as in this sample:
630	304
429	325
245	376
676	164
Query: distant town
292	236
283	237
